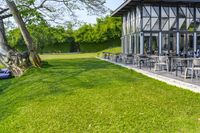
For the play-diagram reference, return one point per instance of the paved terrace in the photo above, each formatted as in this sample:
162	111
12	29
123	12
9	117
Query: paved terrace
164	76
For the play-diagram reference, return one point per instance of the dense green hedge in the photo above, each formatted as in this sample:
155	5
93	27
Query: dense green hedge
88	38
99	47
85	48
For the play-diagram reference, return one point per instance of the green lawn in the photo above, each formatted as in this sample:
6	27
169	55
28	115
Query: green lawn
67	56
78	93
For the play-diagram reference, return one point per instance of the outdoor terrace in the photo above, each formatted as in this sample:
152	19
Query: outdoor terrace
178	71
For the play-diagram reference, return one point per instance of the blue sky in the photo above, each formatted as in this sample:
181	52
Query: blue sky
112	4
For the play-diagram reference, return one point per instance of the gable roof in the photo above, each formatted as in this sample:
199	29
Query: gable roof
130	3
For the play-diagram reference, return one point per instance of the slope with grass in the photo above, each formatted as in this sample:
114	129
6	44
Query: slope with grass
88	95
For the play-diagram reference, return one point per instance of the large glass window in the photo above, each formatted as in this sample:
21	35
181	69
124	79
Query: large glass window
165	44
146	18
198	42
147	46
128	23
172	18
138	43
198	19
150	18
190	46
182	18
123	44
138	19
154	43
172	44
165	18
154	18
182	45
169	45
124	25
132	21
132	43
190	19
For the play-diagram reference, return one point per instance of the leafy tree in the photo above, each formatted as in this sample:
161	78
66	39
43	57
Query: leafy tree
35	12
106	29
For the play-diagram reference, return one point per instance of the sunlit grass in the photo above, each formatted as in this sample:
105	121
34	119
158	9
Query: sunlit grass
67	56
78	93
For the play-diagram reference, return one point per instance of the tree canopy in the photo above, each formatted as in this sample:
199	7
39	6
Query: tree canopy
105	29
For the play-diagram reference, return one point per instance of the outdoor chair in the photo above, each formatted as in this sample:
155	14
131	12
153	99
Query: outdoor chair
195	68
178	65
151	61
142	60
135	59
116	57
127	59
163	61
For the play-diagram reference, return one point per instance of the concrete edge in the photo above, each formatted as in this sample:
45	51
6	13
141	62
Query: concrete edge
170	81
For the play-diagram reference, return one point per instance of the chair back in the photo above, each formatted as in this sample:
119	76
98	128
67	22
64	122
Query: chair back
196	63
163	59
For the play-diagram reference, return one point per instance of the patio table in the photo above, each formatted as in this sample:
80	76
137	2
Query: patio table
181	63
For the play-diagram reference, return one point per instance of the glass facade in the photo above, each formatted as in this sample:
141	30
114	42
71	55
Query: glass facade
165	30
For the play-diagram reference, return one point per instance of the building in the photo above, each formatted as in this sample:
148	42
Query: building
160	27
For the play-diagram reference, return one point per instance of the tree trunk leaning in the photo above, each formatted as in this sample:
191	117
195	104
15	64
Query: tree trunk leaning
34	57
10	58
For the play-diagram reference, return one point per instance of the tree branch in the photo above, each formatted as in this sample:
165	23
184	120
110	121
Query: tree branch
4	10
6	16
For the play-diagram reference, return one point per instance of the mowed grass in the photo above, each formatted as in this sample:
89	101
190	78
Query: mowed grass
67	56
79	95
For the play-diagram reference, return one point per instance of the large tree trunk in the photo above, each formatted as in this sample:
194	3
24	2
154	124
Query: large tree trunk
16	62
34	57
